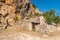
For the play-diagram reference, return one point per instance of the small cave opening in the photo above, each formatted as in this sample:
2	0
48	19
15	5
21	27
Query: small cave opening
33	25
0	22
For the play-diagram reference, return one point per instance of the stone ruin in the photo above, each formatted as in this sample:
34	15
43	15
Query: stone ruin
37	24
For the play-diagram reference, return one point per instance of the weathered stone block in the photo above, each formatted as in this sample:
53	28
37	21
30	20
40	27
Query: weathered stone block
4	9
11	21
11	9
3	22
9	1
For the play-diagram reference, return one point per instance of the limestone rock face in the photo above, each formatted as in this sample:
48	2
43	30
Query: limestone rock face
10	8
35	20
43	27
3	22
9	1
11	21
7	9
26	25
4	9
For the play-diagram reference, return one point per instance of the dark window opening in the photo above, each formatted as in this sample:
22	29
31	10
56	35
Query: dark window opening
34	24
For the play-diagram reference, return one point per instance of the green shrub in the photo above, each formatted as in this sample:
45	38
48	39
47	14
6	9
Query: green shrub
37	14
50	17
56	19
34	6
16	18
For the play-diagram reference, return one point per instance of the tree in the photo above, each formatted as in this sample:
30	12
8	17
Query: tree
16	18
56	19
52	12
50	17
33	5
37	14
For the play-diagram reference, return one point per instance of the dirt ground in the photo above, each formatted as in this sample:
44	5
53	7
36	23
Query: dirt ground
15	33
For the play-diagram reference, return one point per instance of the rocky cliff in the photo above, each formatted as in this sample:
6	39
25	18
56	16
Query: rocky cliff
12	11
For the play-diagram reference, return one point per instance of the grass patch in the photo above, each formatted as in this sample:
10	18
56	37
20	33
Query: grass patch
16	18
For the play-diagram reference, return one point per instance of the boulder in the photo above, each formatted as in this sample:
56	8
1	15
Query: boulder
51	28
44	28
30	26
35	20
9	1
11	9
3	22
42	20
4	9
11	21
15	19
41	29
1	4
26	24
7	17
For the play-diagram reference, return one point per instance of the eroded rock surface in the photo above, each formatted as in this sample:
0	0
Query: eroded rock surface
37	24
10	8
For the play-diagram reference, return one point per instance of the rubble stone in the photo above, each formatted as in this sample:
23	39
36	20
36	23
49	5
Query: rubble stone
11	21
9	1
3	22
35	20
44	28
11	9
4	9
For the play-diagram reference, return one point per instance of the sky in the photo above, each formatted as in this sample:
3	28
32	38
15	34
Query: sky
46	5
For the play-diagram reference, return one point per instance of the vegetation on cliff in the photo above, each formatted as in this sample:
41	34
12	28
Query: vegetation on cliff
51	18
